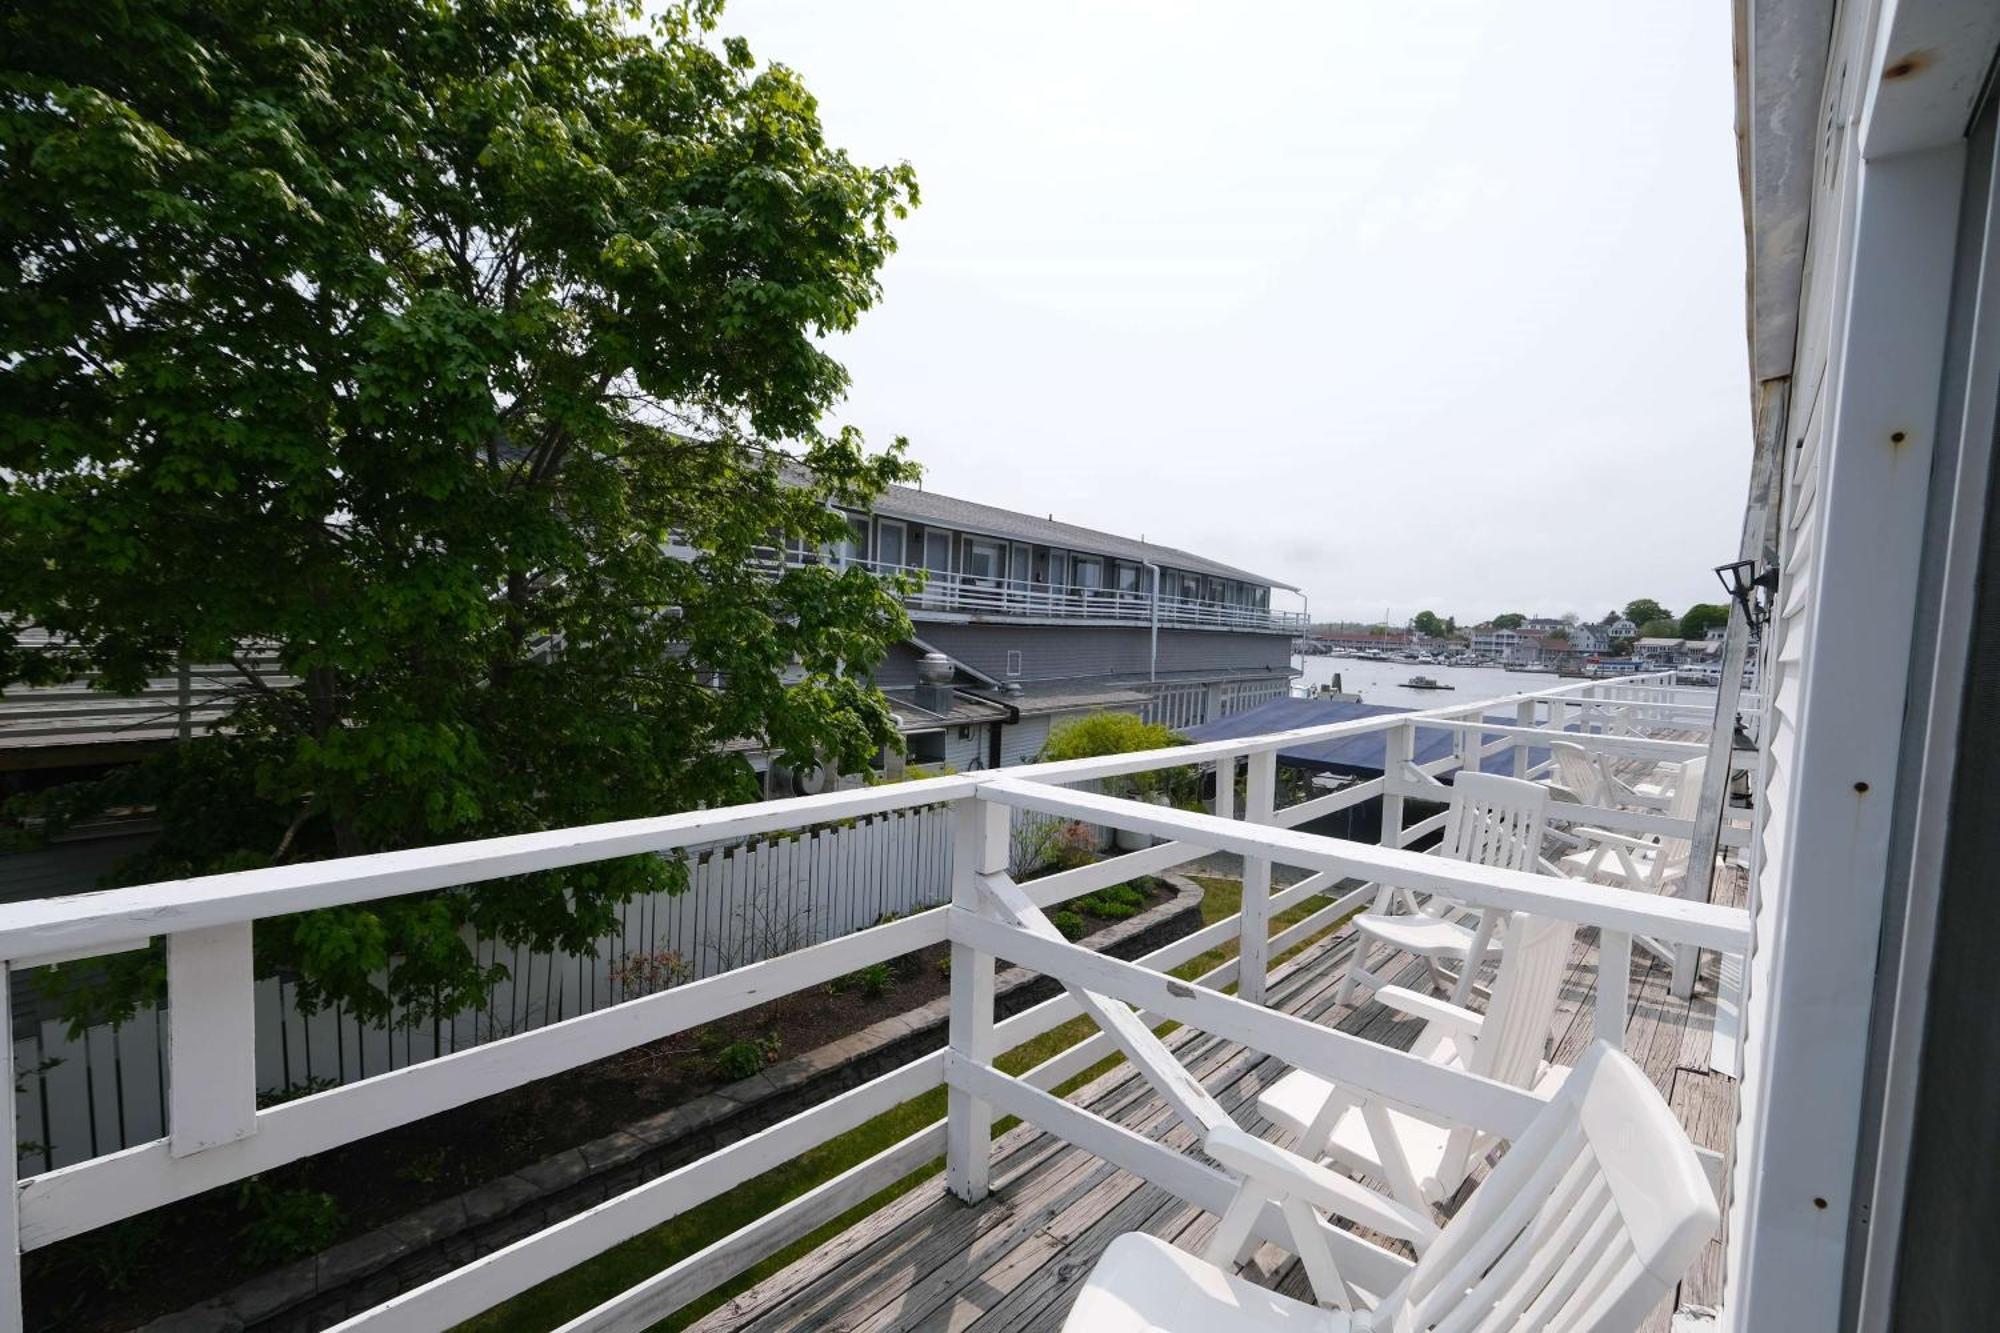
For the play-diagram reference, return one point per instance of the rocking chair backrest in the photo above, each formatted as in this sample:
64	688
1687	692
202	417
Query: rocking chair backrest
1687	800
1523	1008
1587	1223
1578	772
1495	821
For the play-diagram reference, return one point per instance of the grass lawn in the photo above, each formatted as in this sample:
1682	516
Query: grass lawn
563	1298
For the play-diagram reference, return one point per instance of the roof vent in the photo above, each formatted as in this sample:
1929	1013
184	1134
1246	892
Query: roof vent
934	677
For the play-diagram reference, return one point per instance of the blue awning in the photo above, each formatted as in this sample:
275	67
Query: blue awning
1361	756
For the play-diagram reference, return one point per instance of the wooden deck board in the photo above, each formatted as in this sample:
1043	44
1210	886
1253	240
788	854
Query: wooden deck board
1012	1263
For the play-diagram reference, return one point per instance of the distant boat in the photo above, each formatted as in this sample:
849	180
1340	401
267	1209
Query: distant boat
1426	683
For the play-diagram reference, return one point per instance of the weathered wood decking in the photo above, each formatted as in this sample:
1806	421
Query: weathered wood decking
1013	1262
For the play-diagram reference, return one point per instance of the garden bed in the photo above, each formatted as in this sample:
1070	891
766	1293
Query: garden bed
396	1209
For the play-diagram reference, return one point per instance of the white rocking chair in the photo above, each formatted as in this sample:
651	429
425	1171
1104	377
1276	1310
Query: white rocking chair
1638	863
1492	821
1587	778
1586	1224
1425	1160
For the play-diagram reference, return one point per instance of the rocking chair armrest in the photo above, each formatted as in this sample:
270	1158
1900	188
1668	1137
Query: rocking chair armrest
1610	839
1431	1009
1280	1173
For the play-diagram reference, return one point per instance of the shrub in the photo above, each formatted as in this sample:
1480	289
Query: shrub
1123	733
1072	926
649	971
741	1059
1113	904
119	1254
873	981
284	1224
1108	733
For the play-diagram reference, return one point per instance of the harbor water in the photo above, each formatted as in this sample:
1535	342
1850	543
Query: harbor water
1382	682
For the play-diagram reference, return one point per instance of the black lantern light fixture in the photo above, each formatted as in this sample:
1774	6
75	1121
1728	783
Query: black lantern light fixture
1743	583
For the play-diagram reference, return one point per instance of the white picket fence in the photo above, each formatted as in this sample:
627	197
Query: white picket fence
745	902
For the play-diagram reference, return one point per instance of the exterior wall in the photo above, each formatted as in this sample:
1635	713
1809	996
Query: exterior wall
1022	741
966	754
1067	652
1855	408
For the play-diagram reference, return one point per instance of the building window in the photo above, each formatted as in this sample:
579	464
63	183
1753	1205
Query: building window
1089	573
1013	661
1128	577
982	560
891	543
854	546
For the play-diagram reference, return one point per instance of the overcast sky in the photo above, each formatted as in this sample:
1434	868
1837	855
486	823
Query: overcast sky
1413	305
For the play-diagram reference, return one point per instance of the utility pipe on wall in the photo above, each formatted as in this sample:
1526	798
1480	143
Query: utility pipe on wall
1153	657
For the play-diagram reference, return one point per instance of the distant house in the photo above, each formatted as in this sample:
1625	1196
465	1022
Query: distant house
1505	644
1621	628
1589	639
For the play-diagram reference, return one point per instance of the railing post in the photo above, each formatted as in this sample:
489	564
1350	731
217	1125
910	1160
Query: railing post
1398	745
12	1319
1225	787
979	847
1254	949
211	1038
1465	744
1524	716
1614	985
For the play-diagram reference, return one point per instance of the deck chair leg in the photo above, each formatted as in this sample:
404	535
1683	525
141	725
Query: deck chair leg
1686	963
1358	963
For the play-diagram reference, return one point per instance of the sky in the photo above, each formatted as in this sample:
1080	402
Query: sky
1416	306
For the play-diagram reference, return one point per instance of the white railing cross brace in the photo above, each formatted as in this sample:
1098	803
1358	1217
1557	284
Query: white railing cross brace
1182	1090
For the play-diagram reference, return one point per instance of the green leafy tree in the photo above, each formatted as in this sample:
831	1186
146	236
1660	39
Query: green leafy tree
1698	619
1426	622
1645	610
1511	620
1664	628
467	357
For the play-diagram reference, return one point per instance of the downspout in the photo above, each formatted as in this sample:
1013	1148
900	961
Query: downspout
1013	719
1153	657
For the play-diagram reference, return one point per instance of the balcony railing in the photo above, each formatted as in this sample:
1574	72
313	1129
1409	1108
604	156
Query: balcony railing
216	1133
964	594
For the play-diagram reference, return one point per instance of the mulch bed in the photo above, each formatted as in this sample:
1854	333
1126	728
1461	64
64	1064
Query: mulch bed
188	1252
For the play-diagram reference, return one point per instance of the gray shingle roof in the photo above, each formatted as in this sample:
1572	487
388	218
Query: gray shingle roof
929	507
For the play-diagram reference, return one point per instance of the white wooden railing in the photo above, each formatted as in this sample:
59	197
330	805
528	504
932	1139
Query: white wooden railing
216	1133
945	590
